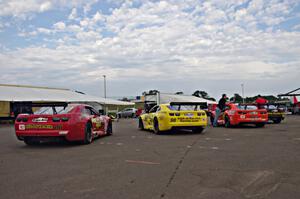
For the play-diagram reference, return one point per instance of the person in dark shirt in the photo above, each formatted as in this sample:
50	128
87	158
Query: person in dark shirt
220	108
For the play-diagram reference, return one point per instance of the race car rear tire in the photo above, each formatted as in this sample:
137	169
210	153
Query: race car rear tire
30	141
212	120
277	120
88	136
141	124
109	130
156	126
227	122
198	130
260	125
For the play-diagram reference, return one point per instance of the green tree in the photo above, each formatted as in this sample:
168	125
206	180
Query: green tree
203	94
236	98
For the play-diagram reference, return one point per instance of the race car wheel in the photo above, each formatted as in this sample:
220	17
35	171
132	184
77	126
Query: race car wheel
141	125
277	120
109	130
227	122
119	115
198	130
260	125
88	137
155	126
30	141
212	120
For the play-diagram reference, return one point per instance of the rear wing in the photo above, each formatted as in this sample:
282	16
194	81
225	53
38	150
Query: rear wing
202	105
49	104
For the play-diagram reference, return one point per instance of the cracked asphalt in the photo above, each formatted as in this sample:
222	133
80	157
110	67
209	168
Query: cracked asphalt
221	163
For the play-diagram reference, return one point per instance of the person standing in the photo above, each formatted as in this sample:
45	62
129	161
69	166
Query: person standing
220	108
260	101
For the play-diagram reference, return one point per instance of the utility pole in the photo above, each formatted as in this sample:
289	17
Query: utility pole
242	85
104	78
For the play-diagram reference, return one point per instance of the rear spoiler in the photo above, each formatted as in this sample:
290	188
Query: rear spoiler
203	105
49	104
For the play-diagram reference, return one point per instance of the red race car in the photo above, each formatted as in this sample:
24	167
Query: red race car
72	122
240	114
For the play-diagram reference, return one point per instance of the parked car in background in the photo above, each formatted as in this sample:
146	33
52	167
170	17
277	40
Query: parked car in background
71	122
276	112
235	115
176	115
128	113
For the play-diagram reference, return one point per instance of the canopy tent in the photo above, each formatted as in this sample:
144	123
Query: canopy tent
167	98
17	93
294	96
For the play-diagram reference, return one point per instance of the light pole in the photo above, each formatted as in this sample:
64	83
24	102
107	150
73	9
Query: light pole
242	85
104	78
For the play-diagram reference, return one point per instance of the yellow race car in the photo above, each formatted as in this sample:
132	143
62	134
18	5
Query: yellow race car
176	115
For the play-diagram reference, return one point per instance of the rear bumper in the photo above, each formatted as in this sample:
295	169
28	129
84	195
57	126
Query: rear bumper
182	125
249	121
42	134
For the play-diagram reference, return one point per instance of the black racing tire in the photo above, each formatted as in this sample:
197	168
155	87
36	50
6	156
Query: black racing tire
31	142
132	115
119	116
277	120
141	124
198	130
156	126
109	129
227	122
260	125
88	136
212	120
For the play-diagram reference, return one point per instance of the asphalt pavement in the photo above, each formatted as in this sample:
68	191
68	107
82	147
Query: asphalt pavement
234	163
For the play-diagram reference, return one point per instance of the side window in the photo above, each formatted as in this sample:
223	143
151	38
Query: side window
158	109
86	111
153	110
94	112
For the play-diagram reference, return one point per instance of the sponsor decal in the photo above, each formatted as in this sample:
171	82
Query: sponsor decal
40	119
22	127
43	126
189	120
97	121
189	114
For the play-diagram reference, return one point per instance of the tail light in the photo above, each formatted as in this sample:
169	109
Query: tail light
22	119
55	119
64	119
201	114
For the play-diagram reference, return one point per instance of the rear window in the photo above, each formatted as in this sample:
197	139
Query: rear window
184	107
243	107
53	110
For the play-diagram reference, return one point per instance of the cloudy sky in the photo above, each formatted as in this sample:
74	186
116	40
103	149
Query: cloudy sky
139	45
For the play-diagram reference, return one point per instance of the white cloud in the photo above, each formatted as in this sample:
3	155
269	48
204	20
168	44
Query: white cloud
22	9
73	14
59	25
163	41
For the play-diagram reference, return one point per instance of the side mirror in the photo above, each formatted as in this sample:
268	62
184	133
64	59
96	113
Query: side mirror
101	112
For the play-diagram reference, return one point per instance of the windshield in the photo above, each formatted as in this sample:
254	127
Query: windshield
245	107
54	110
